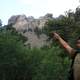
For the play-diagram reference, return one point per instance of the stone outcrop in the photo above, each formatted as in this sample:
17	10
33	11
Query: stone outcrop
27	25
23	22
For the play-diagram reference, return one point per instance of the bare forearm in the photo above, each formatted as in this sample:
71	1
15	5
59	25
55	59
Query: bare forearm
62	42
65	45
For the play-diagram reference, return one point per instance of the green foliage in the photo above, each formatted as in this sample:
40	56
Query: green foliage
12	56
18	62
67	26
51	66
0	23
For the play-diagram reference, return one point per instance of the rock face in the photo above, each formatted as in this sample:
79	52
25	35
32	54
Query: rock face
27	25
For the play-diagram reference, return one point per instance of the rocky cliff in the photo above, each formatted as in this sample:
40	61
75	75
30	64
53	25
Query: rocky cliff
27	26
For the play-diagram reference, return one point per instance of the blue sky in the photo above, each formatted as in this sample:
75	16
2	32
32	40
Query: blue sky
35	8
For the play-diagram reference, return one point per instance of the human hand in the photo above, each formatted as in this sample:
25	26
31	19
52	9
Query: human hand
55	35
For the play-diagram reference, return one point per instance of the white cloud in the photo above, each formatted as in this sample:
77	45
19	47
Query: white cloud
24	1
35	8
60	6
53	6
38	8
30	2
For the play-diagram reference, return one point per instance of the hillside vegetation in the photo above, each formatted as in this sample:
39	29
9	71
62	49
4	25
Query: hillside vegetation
20	62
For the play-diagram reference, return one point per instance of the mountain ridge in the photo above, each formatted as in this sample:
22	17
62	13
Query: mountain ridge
27	26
